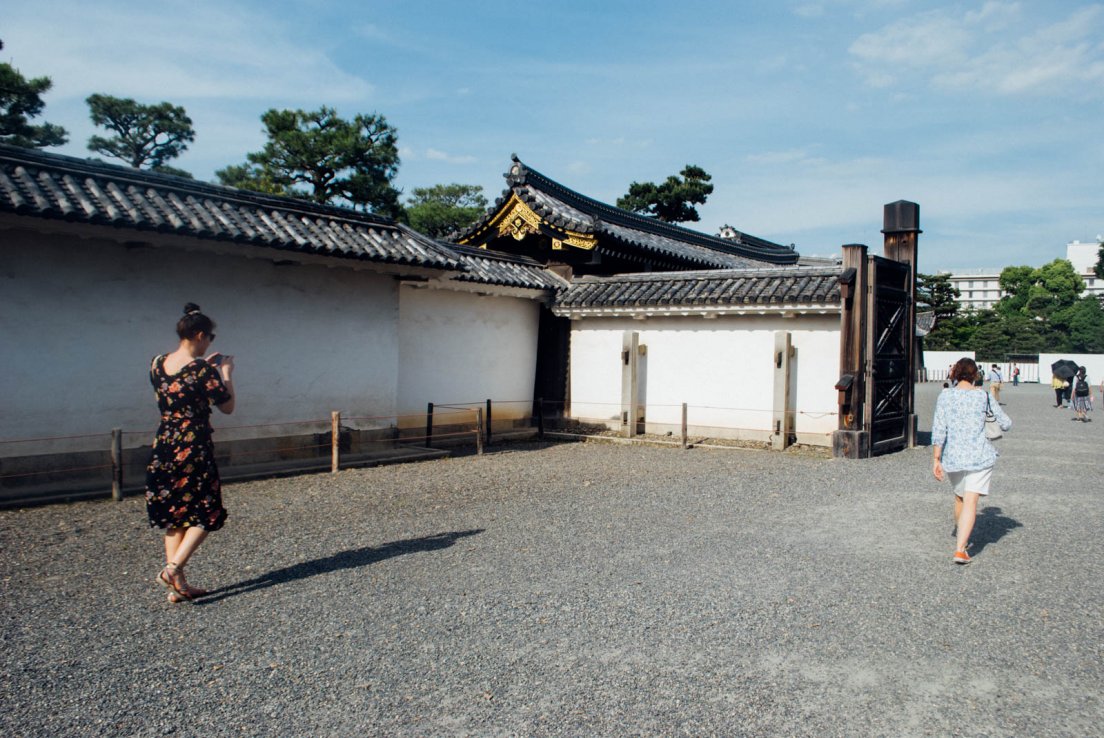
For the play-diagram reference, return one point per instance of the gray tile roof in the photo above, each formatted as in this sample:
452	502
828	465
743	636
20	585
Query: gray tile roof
58	187
564	208
507	270
715	289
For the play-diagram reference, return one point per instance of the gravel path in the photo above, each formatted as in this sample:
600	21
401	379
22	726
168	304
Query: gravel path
581	589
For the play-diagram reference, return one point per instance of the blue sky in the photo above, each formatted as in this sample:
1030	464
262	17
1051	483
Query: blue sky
810	115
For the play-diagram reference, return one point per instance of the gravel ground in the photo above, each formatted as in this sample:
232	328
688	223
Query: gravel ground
581	589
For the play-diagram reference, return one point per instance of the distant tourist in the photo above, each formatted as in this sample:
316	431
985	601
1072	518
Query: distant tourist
960	450
183	492
1015	376
1082	397
1059	386
995	381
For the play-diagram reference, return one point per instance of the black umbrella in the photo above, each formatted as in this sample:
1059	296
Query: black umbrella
1064	368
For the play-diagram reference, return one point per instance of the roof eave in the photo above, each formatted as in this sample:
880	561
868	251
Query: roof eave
702	311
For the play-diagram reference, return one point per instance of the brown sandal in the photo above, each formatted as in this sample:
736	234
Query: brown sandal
173	578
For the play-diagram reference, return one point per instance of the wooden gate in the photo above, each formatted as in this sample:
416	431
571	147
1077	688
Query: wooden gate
889	339
878	341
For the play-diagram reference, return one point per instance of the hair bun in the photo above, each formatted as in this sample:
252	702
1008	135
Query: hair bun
190	308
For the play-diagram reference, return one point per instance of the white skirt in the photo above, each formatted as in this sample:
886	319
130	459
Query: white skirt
976	480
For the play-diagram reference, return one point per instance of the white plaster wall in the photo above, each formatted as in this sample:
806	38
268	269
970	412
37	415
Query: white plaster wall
938	363
722	368
460	347
80	320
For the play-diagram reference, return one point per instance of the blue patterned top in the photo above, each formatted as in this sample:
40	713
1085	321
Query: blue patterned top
959	428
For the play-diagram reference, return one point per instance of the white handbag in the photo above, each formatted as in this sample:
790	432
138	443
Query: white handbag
992	428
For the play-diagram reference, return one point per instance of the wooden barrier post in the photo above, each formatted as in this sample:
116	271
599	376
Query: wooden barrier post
630	387
429	425
117	464
335	443
488	427
783	420
540	418
684	439
479	431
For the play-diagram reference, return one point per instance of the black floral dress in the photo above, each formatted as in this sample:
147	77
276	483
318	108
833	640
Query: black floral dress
182	480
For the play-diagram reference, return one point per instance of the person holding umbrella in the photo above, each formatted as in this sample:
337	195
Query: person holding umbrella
1064	370
1059	386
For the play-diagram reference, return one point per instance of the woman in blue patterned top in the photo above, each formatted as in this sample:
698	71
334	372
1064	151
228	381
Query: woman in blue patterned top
961	452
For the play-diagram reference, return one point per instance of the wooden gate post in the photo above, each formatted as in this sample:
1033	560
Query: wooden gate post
901	228
851	441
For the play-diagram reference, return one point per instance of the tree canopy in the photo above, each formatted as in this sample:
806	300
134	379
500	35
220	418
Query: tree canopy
1098	268
1042	311
1038	293
444	209
322	157
253	178
21	100
146	136
938	292
673	200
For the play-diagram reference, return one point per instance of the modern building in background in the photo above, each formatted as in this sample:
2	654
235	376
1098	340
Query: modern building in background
980	289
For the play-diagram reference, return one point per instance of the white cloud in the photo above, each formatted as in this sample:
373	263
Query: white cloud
993	49
927	40
778	157
809	10
206	50
618	142
436	155
1053	58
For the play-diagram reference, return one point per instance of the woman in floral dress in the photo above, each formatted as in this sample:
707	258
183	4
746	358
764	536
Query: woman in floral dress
183	493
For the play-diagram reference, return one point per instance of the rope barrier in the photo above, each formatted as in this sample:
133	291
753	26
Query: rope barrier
419	416
56	438
281	450
437	416
55	471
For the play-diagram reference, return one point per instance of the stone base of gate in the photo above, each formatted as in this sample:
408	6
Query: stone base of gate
848	444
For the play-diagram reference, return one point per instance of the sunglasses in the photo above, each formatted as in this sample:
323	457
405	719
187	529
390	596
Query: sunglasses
211	337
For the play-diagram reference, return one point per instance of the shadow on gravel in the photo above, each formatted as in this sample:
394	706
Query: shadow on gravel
351	559
989	527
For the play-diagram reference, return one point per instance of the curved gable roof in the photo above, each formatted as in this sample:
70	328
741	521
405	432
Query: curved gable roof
569	210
